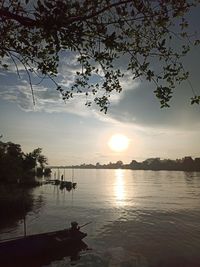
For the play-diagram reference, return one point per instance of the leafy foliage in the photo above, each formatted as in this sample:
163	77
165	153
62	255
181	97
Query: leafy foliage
16	165
144	34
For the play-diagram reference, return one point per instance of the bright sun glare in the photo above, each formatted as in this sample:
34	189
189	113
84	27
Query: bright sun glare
118	142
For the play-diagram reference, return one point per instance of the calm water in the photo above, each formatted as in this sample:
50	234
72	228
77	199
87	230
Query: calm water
139	218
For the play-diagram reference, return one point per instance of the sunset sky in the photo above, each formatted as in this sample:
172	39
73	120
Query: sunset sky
71	133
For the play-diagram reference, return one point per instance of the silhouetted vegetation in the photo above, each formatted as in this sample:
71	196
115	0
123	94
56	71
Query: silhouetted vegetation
43	171
17	177
143	34
184	164
19	167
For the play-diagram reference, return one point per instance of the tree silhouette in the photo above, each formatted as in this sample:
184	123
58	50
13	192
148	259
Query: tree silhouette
11	158
15	165
38	157
143	33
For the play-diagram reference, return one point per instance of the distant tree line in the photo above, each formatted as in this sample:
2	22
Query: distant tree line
184	164
19	167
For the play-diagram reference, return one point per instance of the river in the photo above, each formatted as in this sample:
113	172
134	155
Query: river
138	218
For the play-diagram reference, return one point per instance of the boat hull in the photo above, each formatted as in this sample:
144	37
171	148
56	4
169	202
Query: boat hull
39	246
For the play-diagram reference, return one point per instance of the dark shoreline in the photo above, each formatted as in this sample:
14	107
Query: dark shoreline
123	168
152	164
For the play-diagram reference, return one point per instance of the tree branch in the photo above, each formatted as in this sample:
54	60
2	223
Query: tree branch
28	22
81	18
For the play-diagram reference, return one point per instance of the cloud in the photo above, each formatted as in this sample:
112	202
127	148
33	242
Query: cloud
136	104
48	99
68	66
141	107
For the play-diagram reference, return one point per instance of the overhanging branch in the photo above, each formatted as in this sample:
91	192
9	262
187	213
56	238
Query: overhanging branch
28	22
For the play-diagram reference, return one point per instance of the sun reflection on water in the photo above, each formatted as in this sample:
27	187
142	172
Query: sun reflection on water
119	186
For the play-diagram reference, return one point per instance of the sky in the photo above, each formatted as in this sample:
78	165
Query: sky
71	133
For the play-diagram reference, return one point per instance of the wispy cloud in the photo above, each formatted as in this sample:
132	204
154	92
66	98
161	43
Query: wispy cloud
48	99
135	105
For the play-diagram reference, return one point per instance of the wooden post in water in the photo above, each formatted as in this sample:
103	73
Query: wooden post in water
58	174
24	210
24	225
72	186
72	175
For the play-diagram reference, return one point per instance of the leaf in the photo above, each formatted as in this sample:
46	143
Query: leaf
195	100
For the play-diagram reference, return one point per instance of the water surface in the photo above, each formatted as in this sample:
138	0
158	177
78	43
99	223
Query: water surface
139	218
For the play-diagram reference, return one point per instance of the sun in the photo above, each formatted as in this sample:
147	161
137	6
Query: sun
118	142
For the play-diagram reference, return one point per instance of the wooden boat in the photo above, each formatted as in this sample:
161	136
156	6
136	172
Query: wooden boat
63	184
68	185
38	246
